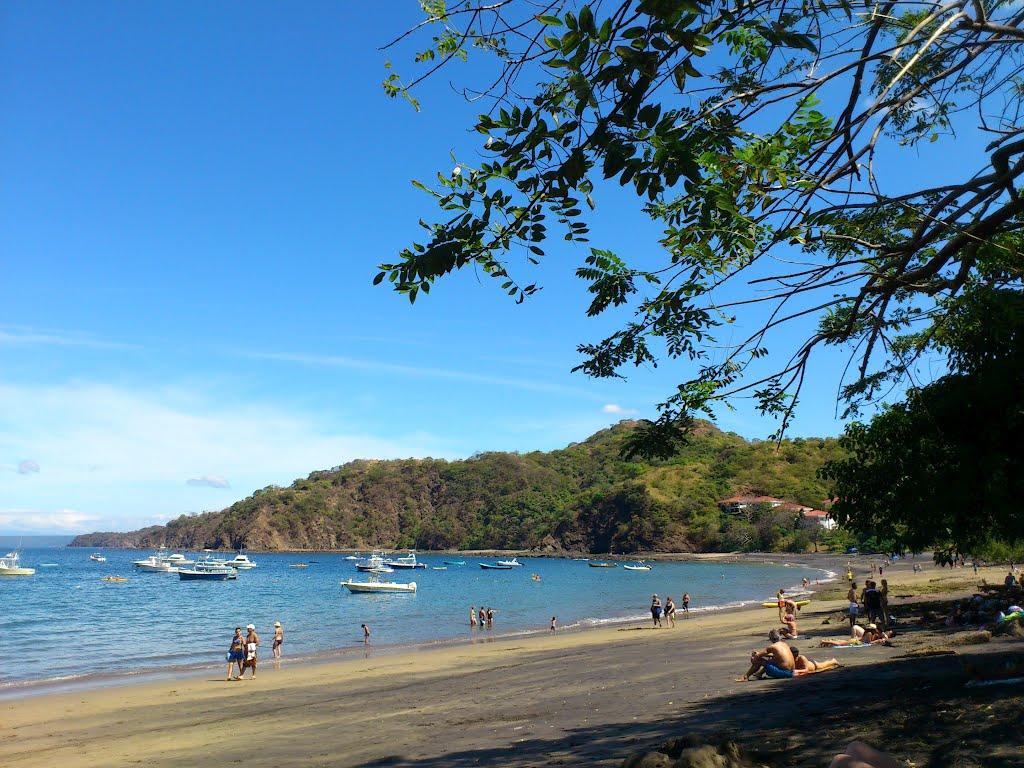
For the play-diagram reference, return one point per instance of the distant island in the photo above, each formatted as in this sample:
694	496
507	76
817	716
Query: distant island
582	498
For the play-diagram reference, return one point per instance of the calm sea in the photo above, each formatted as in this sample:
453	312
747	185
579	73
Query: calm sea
65	623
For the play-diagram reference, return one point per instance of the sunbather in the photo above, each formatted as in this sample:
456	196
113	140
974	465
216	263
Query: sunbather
806	666
871	635
774	661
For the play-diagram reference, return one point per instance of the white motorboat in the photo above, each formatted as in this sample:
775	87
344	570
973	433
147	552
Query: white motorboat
96	557
154	564
374	584
351	557
381	569
375	560
177	560
210	564
640	565
513	563
241	562
405	562
10	565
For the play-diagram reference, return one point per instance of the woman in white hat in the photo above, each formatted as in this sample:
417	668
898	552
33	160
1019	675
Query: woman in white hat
278	639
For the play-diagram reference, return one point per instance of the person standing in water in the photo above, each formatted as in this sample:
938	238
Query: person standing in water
686	604
366	634
278	640
472	617
490	617
483	616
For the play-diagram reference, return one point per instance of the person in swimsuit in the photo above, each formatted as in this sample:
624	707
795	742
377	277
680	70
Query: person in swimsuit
686	604
366	634
252	644
775	661
236	654
851	598
554	623
490	617
670	611
780	603
483	616
789	629
806	666
472	617
656	610
278	639
860	755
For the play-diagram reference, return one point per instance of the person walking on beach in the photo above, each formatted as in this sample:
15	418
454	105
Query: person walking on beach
554	623
656	610
236	654
884	595
686	604
252	644
670	611
278	640
472	617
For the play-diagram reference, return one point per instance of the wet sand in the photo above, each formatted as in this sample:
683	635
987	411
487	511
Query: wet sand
574	698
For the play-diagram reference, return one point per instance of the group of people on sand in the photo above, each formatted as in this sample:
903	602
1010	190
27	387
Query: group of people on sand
667	612
243	652
875	601
484	618
780	660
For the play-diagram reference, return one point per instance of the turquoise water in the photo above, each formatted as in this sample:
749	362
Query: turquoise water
65	623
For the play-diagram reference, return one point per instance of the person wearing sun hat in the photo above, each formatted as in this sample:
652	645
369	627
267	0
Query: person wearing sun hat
278	639
252	644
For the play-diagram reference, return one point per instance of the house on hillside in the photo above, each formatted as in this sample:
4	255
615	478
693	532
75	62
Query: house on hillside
735	505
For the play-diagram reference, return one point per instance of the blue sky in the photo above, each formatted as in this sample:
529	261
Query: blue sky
194	200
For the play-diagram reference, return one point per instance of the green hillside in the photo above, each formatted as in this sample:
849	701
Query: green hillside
582	498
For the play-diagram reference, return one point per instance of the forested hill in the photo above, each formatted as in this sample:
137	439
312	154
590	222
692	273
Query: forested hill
583	497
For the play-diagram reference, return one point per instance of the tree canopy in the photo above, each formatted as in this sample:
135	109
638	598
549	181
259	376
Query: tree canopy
759	135
945	468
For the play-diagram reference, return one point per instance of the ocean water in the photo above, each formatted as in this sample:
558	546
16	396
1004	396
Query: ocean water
64	623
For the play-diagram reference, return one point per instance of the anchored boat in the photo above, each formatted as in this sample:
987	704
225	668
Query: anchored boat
406	562
374	584
10	565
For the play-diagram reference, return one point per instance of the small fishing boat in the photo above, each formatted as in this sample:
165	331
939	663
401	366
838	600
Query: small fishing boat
241	562
177	560
380	569
49	565
406	562
376	585
299	565
601	564
207	572
96	557
513	563
495	567
10	565
351	557
639	565
454	562
114	579
154	564
375	560
439	568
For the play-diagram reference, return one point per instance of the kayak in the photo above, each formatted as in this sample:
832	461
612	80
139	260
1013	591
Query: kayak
773	604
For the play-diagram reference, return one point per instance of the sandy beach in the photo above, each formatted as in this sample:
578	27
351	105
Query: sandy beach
589	697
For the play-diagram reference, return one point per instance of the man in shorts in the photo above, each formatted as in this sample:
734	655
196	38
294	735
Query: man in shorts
775	661
851	598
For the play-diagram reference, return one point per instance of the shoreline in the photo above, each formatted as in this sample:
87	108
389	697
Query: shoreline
583	697
31	688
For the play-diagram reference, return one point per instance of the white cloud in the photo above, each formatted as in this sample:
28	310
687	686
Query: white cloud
416	371
28	467
121	455
208	481
617	409
63	520
22	336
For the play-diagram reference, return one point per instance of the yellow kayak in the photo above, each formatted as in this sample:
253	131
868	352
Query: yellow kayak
773	604
114	579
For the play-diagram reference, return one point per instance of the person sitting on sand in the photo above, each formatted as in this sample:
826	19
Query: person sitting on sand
806	666
870	635
789	629
860	755
775	661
